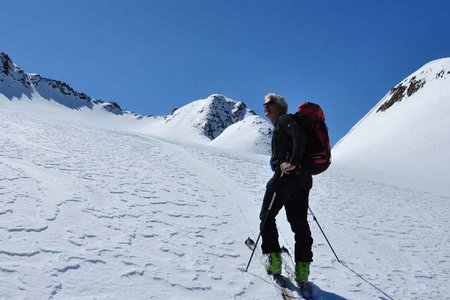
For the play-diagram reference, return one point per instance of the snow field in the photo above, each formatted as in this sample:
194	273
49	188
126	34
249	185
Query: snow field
88	213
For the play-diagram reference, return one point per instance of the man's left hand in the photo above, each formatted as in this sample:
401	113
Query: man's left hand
286	168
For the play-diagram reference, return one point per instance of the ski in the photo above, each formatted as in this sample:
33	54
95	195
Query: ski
284	284
286	287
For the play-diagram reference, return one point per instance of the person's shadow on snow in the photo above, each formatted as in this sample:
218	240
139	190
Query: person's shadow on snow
316	292
319	294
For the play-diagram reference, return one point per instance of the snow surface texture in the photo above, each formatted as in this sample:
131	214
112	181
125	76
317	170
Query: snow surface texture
101	212
404	140
201	121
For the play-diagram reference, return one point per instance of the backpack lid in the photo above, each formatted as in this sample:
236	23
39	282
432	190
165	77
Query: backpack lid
311	111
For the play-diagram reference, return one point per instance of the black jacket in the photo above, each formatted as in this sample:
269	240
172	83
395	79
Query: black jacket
288	142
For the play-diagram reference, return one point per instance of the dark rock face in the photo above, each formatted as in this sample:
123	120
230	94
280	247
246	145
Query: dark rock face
414	86
11	73
5	63
220	114
396	96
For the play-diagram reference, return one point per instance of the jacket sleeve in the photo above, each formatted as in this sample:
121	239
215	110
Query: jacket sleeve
292	128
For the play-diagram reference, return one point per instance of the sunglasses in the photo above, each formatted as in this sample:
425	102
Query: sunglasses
268	109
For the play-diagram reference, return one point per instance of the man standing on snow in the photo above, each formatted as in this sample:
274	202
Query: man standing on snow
292	185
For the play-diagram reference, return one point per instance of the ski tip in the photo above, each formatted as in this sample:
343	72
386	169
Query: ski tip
249	242
280	280
285	250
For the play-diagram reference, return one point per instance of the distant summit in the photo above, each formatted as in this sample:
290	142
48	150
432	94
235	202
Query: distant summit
405	137
211	116
215	120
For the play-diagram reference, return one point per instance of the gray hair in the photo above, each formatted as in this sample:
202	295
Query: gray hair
278	100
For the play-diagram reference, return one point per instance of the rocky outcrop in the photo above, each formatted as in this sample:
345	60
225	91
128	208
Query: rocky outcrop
10	73
221	113
411	85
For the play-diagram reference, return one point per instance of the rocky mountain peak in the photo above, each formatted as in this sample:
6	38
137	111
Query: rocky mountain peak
221	113
209	116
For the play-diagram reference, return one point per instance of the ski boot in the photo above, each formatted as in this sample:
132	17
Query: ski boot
301	277
273	263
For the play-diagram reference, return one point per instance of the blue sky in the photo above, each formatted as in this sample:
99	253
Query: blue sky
152	56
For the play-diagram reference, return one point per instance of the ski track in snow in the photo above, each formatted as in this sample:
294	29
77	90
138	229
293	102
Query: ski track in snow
93	213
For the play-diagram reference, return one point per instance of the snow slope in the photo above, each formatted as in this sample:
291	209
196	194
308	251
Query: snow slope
90	212
404	139
252	134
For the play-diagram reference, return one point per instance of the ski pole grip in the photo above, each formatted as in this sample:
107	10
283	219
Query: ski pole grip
287	160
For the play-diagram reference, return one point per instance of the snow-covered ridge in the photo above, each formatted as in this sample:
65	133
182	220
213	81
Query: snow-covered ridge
435	70
15	83
404	138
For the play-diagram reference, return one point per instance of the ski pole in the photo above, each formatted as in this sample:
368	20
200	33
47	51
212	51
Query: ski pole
262	228
345	265
315	219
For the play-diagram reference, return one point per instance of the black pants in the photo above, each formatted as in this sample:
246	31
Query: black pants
292	192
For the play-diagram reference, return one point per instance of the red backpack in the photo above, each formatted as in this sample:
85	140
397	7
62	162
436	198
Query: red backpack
317	155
